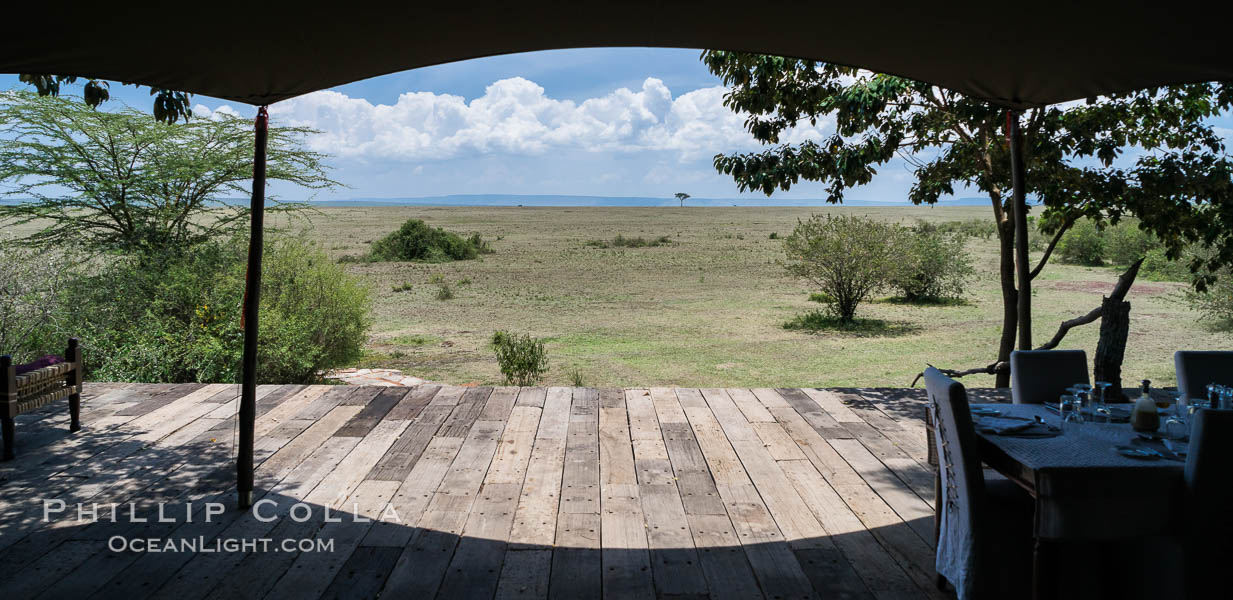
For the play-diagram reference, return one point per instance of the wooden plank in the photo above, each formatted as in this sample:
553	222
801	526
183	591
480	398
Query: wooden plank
414	494
778	442
476	567
722	559
651	458
403	454
333	397
535	519
363	395
421	566
911	508
286	410
411	404
525	574
667	407
373	412
580	475
813	414
748	403
466	412
364	575
624	549
509	465
834	404
499	403
674	560
532	396
350	471
576	563
881	575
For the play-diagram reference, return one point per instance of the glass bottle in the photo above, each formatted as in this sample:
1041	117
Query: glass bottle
1144	417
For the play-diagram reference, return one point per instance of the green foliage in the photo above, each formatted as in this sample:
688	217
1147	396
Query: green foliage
820	298
932	266
123	182
521	357
976	228
682	197
31	285
444	292
1157	266
575	377
774	235
1176	177
848	258
169	105
176	319
1216	302
1083	244
1126	242
405	287
417	241
620	241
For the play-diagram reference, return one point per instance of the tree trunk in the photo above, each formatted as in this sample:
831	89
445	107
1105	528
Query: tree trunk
1114	328
1010	298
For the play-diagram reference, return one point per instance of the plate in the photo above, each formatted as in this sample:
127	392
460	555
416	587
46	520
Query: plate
981	411
1142	453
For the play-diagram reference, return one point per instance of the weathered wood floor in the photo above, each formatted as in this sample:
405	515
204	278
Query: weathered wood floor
475	493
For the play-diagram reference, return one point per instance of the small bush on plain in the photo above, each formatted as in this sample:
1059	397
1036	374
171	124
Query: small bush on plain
1126	243
521	357
417	241
848	258
932	266
1083	244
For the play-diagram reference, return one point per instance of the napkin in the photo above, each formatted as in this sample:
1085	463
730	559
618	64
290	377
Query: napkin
1002	426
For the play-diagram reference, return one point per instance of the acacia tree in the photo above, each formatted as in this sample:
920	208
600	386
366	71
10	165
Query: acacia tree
682	196
123	181
1152	154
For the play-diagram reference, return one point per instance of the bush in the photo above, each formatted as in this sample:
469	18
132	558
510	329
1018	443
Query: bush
1083	244
1216	303
931	266
1158	267
416	241
521	357
848	258
620	241
177	318
1126	243
31	283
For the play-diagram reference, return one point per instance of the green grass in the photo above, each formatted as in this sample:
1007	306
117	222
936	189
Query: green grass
709	310
818	321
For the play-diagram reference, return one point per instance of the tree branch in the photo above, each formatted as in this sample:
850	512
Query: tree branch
1049	250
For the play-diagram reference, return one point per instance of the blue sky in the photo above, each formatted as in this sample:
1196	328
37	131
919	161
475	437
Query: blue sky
609	121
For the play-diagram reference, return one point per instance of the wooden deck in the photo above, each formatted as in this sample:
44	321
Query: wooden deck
477	493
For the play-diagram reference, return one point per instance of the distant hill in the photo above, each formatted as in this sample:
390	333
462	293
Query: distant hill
564	200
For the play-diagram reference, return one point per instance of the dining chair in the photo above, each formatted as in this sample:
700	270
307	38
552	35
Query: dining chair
1041	376
984	546
1198	368
1207	520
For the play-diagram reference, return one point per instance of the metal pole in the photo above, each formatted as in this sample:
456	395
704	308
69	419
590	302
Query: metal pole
252	300
1022	268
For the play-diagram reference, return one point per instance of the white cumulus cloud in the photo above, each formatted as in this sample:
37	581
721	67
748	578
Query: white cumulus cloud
516	116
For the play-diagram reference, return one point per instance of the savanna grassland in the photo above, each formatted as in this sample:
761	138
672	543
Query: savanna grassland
706	309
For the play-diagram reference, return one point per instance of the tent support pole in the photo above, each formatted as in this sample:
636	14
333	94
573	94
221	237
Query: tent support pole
252	300
1022	268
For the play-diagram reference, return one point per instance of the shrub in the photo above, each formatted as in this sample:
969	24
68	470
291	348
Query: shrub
1126	243
416	241
931	266
774	235
31	282
177	319
1216	303
848	258
521	357
444	292
1082	244
1158	267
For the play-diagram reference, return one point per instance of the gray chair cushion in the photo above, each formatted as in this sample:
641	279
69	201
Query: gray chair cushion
1040	376
1198	368
1207	520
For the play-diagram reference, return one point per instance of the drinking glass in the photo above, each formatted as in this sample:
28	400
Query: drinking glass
1102	413
1071	411
1177	426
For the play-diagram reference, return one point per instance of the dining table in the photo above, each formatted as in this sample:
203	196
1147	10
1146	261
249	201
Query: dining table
1094	482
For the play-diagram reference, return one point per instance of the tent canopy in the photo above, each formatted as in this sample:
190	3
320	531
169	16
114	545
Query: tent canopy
1014	54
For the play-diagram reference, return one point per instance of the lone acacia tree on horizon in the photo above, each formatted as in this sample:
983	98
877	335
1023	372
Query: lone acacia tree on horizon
682	196
1151	154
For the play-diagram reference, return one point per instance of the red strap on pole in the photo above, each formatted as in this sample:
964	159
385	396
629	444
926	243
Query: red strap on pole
262	123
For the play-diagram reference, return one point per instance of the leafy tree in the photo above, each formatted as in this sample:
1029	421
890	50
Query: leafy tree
169	105
931	266
847	258
1151	153
682	196
123	181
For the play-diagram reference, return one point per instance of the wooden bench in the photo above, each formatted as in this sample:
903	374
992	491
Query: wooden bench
28	391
